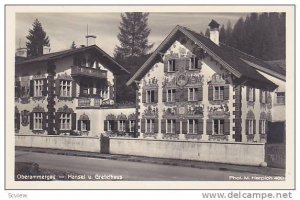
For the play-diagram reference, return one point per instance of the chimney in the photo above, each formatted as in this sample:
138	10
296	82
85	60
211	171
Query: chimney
214	31
21	52
46	49
90	40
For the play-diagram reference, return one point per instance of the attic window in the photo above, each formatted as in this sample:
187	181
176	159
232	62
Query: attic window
171	65
193	63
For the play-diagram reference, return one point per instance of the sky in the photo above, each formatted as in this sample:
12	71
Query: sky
64	28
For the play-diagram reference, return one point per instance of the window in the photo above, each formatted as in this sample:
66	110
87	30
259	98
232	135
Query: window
262	126
192	94
218	126
250	126
149	125
38	88
86	88
121	125
251	94
38	121
171	123
65	88
171	65
193	63
150	96
263	96
218	92
192	126
280	98
110	125
83	125
171	95
131	125
65	121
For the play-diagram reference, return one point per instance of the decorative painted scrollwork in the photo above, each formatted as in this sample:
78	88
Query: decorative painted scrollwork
218	110
65	109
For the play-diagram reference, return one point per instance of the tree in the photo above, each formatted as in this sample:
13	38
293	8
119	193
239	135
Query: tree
37	38
207	32
73	45
133	35
222	34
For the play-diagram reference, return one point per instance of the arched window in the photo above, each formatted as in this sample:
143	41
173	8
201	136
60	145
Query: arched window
83	123
250	123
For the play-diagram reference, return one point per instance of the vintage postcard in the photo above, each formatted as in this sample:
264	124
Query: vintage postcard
150	97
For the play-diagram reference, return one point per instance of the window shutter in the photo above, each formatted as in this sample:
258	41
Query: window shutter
200	126
260	96
111	92
143	125
199	63
253	94
105	125
44	123
226	92
144	96
247	126
156	96
200	93
57	121
31	90
267	127
74	88
187	63
177	126
17	121
165	65
45	84
88	125
186	94
127	126
266	97
79	125
57	87
115	127
92	90
210	92
31	121
17	89
184	126
254	126
178	63
209	127
164	95
260	126
227	127
177	95
73	117
155	125
247	93
163	125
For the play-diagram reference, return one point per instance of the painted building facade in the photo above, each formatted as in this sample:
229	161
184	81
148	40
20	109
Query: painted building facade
71	92
195	88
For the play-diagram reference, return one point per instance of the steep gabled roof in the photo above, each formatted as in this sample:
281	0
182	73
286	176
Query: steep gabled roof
228	57
116	67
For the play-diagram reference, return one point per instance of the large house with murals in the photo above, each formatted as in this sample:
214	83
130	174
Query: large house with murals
70	92
191	88
195	88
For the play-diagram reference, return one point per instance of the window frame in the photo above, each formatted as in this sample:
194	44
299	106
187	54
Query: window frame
251	94
193	63
150	96
194	92
149	128
262	126
131	125
263	96
121	125
65	88
281	97
172	95
172	126
195	123
221	129
37	121
67	117
221	90
38	85
172	65
250	126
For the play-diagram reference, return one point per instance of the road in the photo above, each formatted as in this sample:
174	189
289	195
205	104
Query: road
130	171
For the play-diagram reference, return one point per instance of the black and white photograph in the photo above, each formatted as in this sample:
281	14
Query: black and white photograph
189	96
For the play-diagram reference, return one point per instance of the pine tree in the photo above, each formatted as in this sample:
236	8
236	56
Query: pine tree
207	32
222	34
133	35
37	38
228	32
73	45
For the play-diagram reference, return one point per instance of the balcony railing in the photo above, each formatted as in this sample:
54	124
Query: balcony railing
89	72
94	102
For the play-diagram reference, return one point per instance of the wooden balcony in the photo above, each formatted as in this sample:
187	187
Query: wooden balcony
88	72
